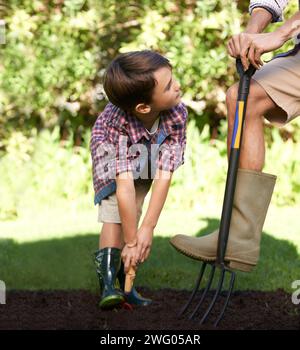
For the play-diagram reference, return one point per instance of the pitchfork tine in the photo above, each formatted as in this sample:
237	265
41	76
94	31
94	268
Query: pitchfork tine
211	277
182	311
232	279
233	164
217	293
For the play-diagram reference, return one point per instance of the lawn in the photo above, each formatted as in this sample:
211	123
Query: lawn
52	248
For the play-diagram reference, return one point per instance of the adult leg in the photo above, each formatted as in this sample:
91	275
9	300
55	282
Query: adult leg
253	189
259	104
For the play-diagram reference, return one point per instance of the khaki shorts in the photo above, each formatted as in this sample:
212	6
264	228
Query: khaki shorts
280	78
108	209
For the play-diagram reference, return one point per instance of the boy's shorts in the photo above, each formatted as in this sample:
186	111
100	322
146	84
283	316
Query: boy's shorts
108	209
280	78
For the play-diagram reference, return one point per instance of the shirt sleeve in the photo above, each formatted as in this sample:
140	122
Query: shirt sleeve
171	152
123	160
109	150
275	7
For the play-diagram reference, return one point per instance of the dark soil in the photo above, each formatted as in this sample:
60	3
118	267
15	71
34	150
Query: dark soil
79	310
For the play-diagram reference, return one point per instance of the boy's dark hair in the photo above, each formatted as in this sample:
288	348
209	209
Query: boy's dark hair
129	78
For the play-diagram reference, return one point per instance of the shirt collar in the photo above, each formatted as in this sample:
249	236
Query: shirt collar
136	130
170	118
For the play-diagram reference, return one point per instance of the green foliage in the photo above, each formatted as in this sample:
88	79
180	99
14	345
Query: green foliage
202	178
55	54
50	77
42	169
192	35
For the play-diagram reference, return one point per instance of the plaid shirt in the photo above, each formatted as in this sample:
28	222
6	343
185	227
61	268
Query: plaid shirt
275	7
120	143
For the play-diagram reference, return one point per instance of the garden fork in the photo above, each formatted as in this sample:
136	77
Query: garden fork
220	264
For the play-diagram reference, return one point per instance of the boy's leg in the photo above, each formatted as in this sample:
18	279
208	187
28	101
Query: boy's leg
111	236
108	257
111	242
111	233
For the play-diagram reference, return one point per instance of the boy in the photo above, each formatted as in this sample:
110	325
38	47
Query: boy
138	139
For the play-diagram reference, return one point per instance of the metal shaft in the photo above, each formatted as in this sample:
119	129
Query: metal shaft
236	141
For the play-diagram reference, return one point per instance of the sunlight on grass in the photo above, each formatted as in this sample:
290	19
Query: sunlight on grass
35	247
68	220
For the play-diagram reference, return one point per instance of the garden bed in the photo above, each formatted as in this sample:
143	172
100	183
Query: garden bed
79	310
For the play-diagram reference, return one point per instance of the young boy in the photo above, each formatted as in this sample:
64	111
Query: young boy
137	141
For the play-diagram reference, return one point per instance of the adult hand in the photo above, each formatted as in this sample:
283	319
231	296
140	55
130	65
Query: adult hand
250	47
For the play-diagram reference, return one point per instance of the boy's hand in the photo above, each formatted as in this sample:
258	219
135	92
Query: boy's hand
130	257
144	242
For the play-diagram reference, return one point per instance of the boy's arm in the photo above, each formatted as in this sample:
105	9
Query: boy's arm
159	193
127	206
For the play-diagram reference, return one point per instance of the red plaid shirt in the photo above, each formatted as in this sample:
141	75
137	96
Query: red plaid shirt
120	143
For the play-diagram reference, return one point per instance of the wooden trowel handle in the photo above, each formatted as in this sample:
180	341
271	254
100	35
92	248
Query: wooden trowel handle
130	276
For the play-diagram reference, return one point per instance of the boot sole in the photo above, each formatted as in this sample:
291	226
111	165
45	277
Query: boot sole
111	301
237	265
233	264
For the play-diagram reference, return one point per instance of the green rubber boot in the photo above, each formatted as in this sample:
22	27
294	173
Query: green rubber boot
108	261
133	298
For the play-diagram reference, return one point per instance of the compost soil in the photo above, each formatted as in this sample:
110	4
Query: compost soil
79	310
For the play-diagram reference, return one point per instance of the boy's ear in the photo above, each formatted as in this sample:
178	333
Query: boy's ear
142	108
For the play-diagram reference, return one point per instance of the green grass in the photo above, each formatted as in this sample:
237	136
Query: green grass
53	250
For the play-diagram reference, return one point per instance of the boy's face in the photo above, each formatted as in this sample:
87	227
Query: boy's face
167	92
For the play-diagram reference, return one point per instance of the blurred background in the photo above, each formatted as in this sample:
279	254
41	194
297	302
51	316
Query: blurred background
53	54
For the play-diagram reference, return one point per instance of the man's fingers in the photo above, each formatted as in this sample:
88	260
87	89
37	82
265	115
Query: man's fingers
230	49
244	60
258	57
251	57
236	45
244	53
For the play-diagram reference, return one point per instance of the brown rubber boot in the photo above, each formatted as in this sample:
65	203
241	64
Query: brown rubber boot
251	201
